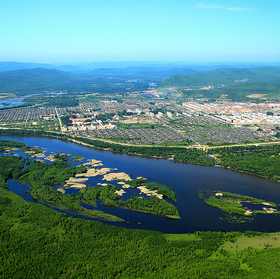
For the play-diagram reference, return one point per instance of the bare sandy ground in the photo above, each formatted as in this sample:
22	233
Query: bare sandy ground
266	203
76	180
249	212
125	186
219	194
269	209
117	176
144	190
61	190
102	184
120	192
50	158
93	163
93	172
75	183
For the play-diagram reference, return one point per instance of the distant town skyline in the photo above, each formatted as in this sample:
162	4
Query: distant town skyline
70	31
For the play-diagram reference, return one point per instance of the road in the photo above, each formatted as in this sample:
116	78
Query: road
60	123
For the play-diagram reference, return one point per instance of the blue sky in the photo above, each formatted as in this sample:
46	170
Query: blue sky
60	31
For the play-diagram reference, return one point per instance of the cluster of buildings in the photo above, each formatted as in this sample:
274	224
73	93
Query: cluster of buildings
238	112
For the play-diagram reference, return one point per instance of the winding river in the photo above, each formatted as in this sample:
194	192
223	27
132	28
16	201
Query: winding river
186	179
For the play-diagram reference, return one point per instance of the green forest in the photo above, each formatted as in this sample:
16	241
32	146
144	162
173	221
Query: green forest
224	76
27	81
38	242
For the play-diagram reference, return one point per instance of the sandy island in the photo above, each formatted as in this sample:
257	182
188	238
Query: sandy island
61	190
120	192
117	176
266	203
93	172
249	212
33	155
75	183
144	190
50	158
93	163
269	209
102	184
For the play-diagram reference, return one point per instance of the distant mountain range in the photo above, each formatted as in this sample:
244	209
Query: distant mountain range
113	80
161	69
224	76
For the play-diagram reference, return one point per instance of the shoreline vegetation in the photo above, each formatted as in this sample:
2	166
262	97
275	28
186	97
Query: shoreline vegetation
42	177
232	205
253	159
37	233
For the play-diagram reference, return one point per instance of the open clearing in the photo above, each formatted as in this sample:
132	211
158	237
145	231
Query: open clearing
270	240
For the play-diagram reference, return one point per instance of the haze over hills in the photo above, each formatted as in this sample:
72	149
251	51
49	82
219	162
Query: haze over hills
225	76
34	80
124	67
114	80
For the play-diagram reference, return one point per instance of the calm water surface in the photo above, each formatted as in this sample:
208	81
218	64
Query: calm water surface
186	179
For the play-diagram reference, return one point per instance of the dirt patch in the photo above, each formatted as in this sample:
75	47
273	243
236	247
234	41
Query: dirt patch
258	96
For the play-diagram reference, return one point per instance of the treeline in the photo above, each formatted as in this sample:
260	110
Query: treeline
4	144
151	205
10	167
263	160
109	197
57	101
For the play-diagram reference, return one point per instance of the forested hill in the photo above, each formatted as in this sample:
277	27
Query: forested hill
34	80
225	76
27	81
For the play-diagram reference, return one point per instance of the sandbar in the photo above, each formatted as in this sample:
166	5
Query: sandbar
117	176
120	192
125	186
269	209
50	158
38	155
76	180
76	185
94	163
61	190
102	184
266	203
144	190
249	212
219	194
93	172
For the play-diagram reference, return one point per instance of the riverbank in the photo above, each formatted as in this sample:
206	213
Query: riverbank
189	154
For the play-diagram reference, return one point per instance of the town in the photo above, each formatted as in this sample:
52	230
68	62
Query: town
154	120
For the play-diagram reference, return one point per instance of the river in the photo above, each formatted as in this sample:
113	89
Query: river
186	179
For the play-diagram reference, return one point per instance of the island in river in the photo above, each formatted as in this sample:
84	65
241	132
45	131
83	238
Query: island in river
43	177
